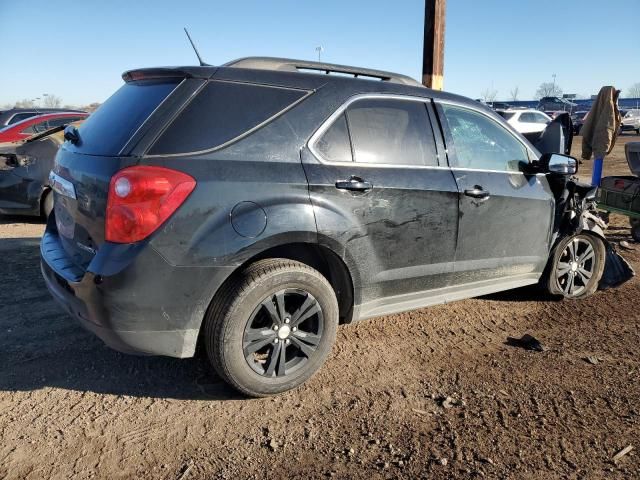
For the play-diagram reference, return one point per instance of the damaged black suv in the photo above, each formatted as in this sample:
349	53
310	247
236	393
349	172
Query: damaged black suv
251	208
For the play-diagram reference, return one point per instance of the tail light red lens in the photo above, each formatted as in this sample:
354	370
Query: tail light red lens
141	199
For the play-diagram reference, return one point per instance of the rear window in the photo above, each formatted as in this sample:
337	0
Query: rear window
18	117
107	130
222	112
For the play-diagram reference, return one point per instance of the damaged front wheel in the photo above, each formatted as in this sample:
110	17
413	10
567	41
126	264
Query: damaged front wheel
576	266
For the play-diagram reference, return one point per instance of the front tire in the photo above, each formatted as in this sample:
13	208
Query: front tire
272	327
576	266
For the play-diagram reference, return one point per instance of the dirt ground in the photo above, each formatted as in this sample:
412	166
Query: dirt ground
72	408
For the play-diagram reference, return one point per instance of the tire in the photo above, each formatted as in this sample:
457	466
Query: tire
241	338
47	204
635	228
575	283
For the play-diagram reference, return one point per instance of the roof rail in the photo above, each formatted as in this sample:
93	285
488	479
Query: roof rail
291	65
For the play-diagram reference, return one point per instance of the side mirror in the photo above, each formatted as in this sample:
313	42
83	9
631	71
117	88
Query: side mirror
560	164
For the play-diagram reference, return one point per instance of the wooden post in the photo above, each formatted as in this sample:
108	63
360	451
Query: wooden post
433	47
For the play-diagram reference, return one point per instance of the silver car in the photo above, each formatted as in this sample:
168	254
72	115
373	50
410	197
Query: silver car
631	120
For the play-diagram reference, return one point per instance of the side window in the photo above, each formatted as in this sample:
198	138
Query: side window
481	143
222	112
391	131
539	118
41	126
56	122
334	145
527	117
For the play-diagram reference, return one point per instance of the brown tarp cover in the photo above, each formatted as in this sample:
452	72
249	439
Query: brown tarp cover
602	124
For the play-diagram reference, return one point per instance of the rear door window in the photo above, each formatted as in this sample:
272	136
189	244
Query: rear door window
107	130
221	113
391	131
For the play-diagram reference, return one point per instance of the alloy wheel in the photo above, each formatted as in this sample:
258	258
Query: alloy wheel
283	333
575	266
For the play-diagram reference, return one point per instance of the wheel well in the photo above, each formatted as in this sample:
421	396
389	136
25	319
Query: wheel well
330	265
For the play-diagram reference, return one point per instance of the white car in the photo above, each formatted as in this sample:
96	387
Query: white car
631	120
526	120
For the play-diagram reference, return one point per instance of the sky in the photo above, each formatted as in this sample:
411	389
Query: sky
78	49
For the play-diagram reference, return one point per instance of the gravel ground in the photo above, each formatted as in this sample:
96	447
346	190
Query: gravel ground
435	393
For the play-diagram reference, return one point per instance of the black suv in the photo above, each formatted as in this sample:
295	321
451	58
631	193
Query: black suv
251	208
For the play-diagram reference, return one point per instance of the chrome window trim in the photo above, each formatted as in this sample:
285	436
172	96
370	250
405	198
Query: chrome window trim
311	144
532	155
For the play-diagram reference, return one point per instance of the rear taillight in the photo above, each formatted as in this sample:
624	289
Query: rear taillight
141	199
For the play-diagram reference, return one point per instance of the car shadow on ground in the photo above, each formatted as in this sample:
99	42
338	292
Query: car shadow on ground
41	346
6	219
531	293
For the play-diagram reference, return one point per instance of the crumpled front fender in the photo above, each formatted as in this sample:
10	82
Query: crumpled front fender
592	223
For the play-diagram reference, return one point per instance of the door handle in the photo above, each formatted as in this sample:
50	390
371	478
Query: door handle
354	184
477	192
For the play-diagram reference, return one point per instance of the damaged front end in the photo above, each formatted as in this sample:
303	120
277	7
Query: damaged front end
576	213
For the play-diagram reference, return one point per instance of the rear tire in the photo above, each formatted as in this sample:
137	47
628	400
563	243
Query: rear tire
576	266
47	204
272	327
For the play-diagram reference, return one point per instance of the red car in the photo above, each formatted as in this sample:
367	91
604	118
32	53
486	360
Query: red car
41	123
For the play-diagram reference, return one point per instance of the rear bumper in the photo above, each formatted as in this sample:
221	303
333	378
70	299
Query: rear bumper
626	128
148	308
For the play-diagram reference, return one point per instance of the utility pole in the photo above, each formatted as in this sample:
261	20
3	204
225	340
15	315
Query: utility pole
433	46
319	49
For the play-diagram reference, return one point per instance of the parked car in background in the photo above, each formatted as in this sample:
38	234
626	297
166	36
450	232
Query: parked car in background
41	123
526	121
24	173
499	105
555	104
578	119
253	207
14	115
631	120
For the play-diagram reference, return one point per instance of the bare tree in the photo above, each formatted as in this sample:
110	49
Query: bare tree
52	101
489	95
24	103
514	93
634	91
548	89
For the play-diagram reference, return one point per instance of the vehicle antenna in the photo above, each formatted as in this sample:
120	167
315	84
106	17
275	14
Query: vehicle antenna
202	64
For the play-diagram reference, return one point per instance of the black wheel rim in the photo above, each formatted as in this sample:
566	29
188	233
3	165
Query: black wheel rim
575	266
283	333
